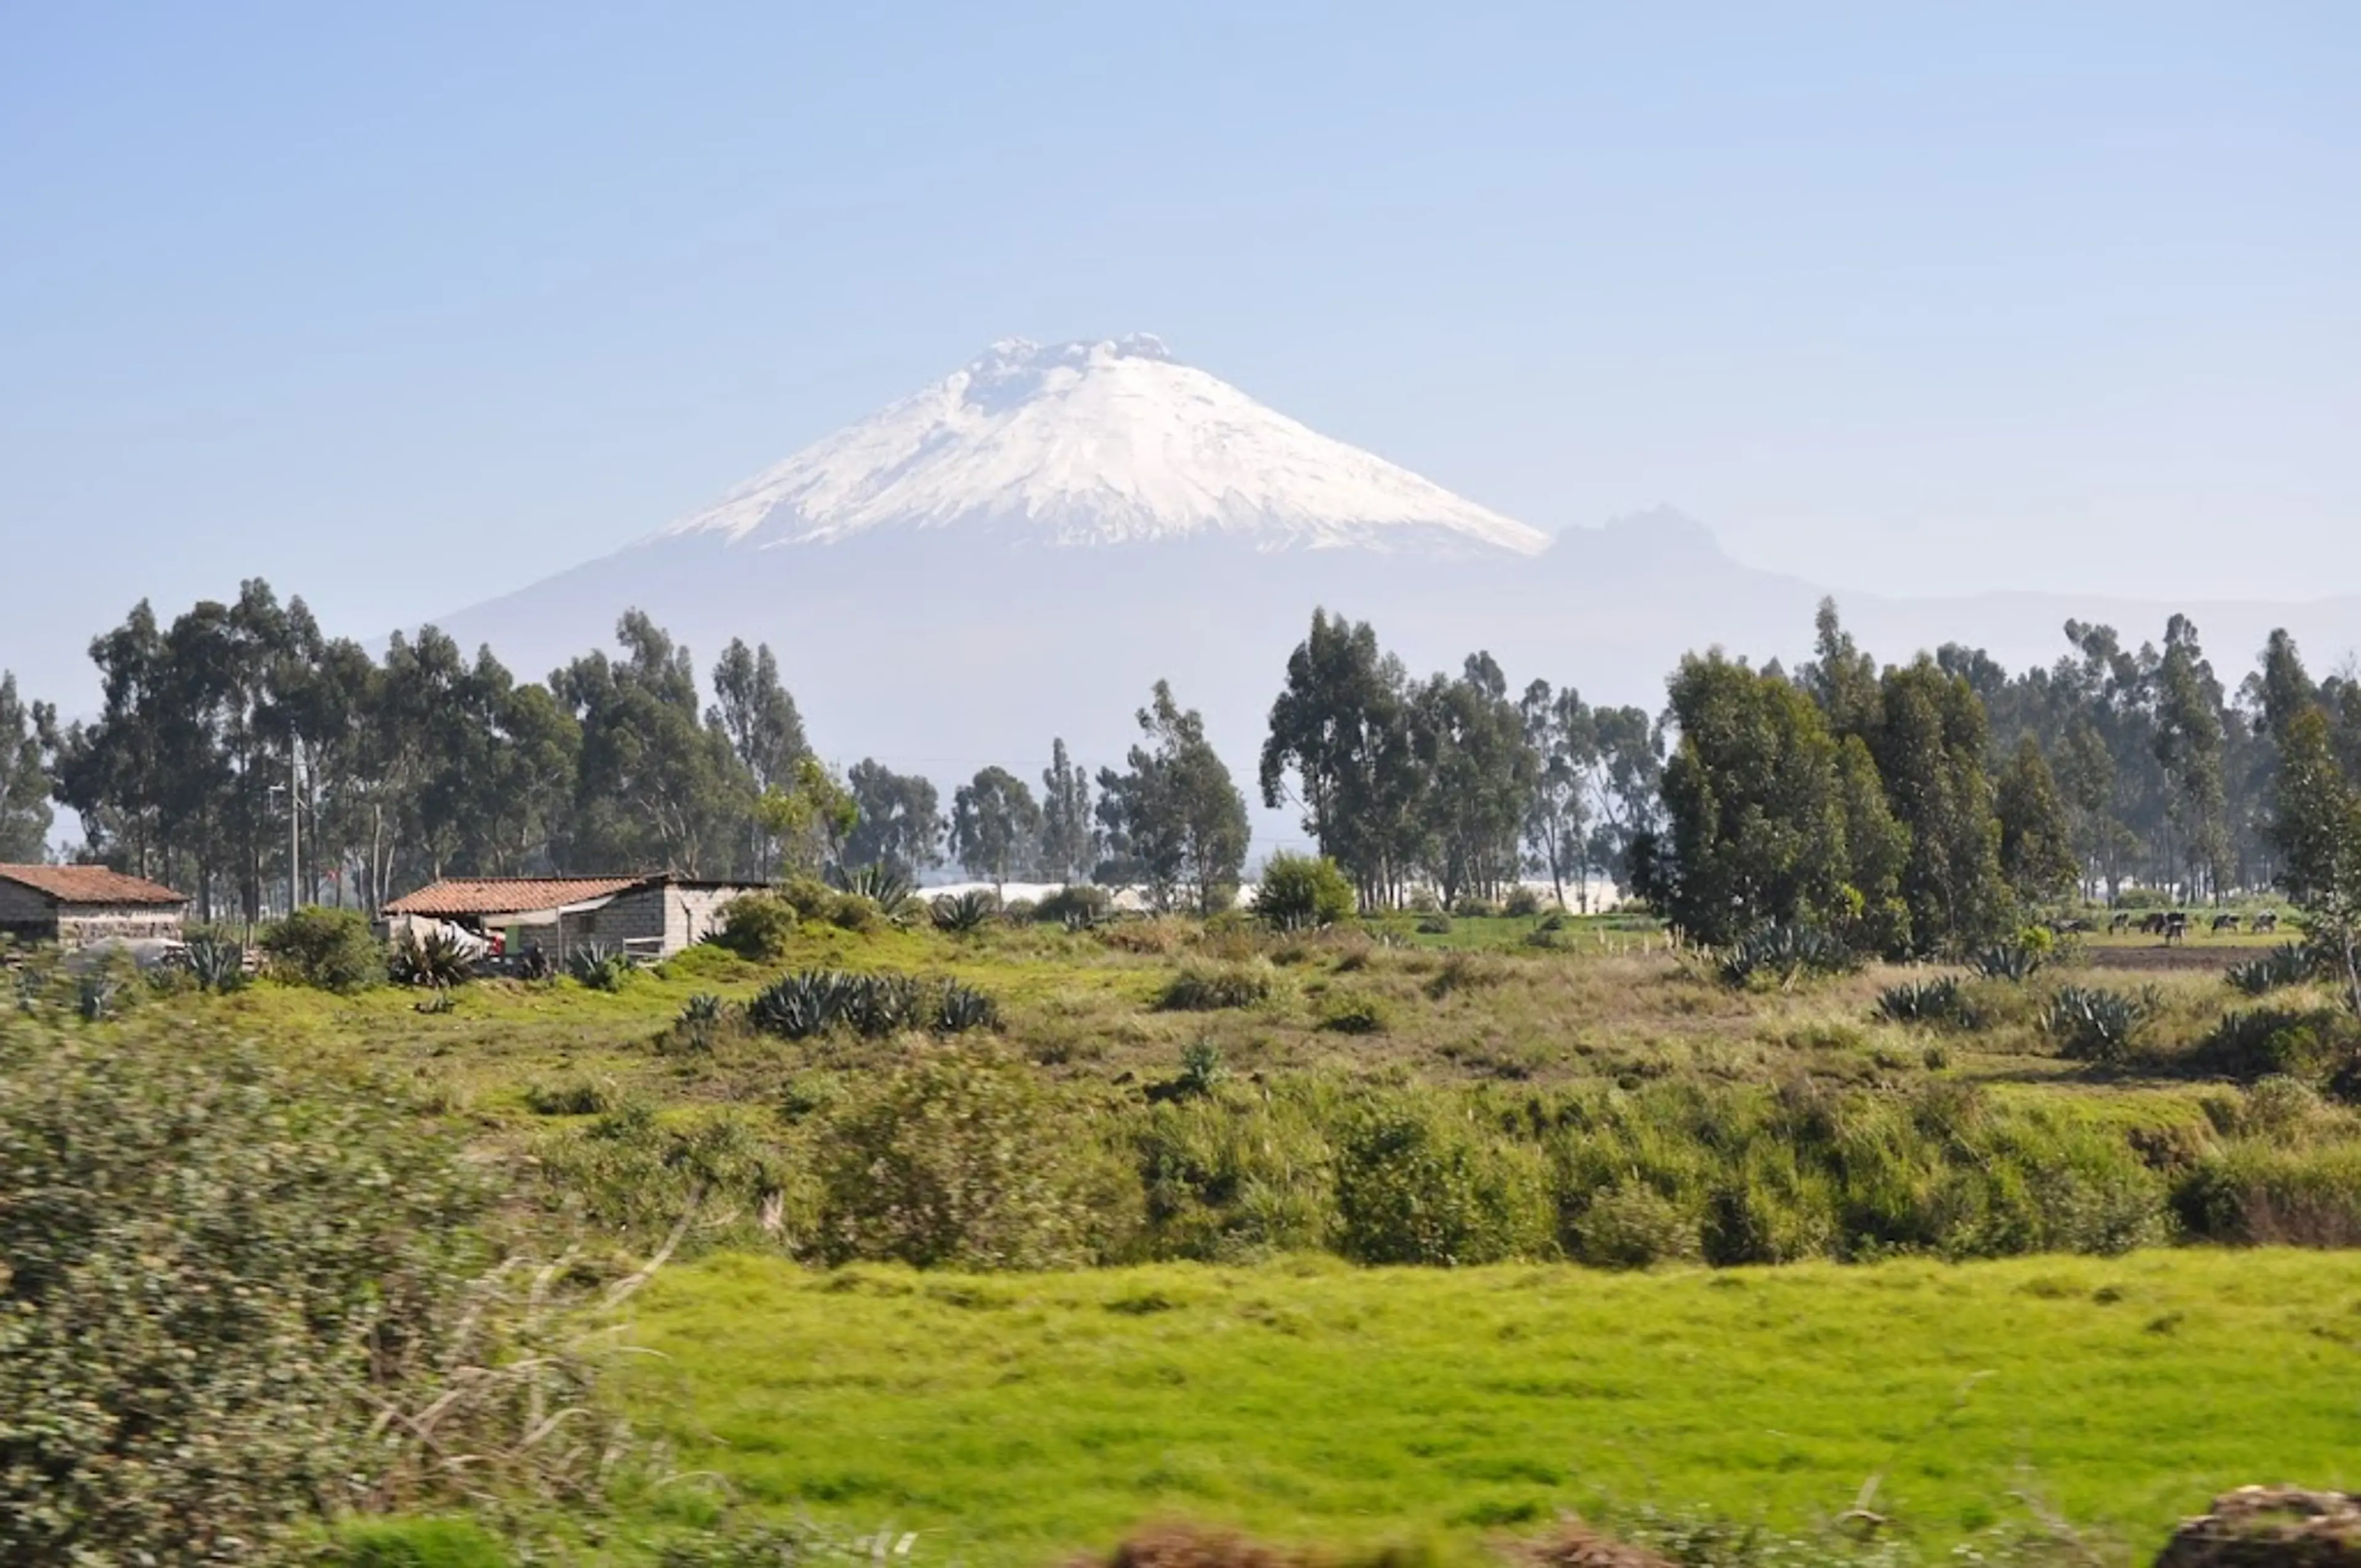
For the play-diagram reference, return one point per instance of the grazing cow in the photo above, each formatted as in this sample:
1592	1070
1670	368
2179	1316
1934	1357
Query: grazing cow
2121	923
2224	923
2269	920
2176	927
2153	924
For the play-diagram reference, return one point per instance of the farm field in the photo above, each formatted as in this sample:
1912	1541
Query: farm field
1015	1419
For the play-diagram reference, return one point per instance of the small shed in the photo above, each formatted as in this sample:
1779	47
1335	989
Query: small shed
648	916
78	906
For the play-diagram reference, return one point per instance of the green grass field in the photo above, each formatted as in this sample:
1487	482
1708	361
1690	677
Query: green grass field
1012	1419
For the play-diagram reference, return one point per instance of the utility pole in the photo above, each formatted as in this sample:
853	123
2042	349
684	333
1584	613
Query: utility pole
294	831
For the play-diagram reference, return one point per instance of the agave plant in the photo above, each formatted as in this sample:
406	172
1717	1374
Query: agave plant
1939	1001
881	885
598	965
703	1011
964	912
1785	951
437	959
217	963
2289	963
96	996
2094	1024
881	1005
960	1008
797	1006
2008	961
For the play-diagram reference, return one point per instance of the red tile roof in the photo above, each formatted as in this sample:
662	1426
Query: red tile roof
90	884
508	895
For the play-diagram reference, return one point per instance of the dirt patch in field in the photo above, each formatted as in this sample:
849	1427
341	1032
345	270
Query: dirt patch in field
2161	958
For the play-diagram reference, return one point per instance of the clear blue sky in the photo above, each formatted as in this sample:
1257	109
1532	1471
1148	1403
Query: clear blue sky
402	305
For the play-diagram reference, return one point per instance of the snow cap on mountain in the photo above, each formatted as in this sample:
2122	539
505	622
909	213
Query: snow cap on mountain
1106	442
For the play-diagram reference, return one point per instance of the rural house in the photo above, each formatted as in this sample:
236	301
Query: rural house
77	905
648	916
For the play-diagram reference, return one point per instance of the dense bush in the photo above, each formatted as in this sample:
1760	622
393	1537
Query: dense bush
206	1270
960	1159
1344	1011
760	926
1413	1186
1200	987
1300	891
1075	906
2305	1043
1522	902
331	949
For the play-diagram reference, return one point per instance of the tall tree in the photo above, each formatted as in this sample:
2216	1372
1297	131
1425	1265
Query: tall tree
24	784
1342	729
2317	822
1560	734
1754	811
996	826
2037	840
1070	839
657	788
2189	744
1929	743
900	823
1174	815
1481	774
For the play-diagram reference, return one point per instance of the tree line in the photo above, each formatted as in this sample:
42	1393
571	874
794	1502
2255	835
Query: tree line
241	752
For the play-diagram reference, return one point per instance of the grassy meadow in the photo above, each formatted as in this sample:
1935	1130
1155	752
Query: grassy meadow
1017	1418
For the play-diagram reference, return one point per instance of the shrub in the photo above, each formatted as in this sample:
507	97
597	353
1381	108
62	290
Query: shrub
1942	1000
959	1159
1299	891
329	949
760	926
1415	1186
1077	906
1471	907
1347	1011
2094	1024
209	1263
1201	1069
1199	987
1435	924
1632	1226
2309	1044
583	1097
1522	902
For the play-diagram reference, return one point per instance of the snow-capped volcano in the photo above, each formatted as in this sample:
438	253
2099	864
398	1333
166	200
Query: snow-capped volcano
1110	442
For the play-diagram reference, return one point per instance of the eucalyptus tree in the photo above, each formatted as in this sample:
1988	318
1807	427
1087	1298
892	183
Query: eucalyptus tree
996	826
1564	740
899	822
24	782
1070	837
1342	730
1174	816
